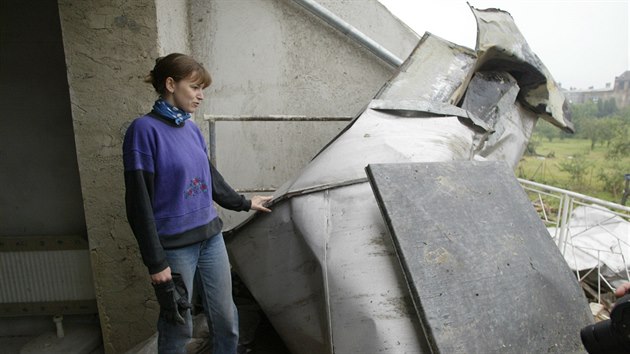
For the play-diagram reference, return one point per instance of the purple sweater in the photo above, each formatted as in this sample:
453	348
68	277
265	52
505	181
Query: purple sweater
170	187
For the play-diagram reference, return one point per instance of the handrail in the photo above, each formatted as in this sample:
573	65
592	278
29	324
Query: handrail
350	31
562	224
576	195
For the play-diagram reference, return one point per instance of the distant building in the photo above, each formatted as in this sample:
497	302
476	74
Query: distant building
620	92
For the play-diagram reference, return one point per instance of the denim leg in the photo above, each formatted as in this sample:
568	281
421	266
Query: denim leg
216	280
172	338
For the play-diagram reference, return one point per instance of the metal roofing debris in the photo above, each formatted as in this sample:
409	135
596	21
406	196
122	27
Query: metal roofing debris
321	266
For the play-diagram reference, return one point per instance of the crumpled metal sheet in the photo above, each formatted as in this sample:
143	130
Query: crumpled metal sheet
321	264
501	46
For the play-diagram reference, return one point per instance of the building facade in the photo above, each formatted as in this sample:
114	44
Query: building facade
620	93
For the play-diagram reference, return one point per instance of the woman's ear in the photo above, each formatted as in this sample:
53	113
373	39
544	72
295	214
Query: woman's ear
170	84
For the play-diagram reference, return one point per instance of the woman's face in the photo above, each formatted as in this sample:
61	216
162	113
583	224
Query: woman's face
184	94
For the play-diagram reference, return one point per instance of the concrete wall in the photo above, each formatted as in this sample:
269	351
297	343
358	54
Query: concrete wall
110	46
172	26
276	58
266	57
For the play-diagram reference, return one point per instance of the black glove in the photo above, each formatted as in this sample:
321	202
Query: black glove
182	301
173	299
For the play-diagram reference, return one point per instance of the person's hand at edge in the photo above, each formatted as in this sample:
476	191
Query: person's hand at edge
259	201
162	277
622	290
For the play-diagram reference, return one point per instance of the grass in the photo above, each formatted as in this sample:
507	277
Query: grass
545	167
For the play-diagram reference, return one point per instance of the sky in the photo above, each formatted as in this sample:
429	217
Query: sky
583	43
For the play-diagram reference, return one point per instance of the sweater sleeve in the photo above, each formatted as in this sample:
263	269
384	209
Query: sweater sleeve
138	196
224	195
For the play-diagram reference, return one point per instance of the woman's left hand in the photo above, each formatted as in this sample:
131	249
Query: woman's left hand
259	201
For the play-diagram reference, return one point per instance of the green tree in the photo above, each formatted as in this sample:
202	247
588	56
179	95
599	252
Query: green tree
606	108
611	106
619	146
602	130
547	130
580	113
612	177
609	128
624	115
592	130
577	167
584	110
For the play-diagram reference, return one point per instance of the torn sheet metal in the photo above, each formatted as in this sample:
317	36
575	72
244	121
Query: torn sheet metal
492	97
502	47
321	264
484	275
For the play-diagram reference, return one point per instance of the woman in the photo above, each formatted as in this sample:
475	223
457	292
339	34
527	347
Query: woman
170	189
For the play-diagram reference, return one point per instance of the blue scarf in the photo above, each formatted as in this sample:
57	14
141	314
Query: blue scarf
173	113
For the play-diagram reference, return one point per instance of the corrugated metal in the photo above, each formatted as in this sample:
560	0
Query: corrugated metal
45	276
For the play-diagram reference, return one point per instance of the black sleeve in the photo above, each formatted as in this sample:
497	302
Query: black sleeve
138	197
224	195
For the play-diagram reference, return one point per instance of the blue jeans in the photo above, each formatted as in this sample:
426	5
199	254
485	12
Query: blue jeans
211	259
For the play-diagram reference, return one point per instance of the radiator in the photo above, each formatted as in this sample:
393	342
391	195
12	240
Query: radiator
37	281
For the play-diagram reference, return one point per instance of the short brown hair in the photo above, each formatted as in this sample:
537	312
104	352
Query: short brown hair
178	66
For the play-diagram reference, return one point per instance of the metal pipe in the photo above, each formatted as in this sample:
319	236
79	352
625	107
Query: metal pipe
273	118
59	325
212	127
350	31
564	223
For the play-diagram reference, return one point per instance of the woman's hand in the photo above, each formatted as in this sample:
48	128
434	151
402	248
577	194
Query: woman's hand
162	277
259	201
